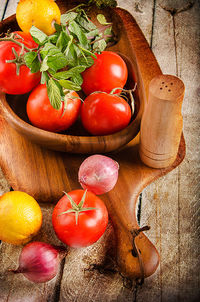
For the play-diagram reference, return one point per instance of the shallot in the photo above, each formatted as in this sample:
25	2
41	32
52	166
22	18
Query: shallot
98	174
39	261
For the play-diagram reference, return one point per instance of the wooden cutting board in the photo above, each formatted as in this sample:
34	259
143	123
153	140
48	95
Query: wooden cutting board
45	174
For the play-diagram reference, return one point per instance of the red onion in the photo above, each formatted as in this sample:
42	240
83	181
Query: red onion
98	174
39	261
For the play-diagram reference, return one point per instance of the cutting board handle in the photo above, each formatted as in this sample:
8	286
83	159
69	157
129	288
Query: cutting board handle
162	122
137	257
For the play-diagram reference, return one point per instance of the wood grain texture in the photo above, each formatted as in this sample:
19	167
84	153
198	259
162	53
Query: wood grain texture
173	200
160	199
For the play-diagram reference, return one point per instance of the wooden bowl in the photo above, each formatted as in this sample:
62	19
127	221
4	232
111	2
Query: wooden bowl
142	66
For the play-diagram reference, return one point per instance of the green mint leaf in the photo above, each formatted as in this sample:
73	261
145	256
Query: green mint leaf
108	31
29	58
99	45
85	23
54	94
76	29
86	62
44	78
71	55
38	36
62	41
69	85
32	61
53	38
49	49
103	3
56	62
77	79
91	34
58	27
102	20
65	18
88	52
69	73
56	59
44	65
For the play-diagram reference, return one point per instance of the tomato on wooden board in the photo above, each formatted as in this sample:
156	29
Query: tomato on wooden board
42	115
103	113
109	71
90	224
10	82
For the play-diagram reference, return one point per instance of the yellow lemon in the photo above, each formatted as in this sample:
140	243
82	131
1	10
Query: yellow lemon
20	217
40	13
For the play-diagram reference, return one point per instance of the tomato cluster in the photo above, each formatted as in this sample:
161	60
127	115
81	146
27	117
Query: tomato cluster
102	112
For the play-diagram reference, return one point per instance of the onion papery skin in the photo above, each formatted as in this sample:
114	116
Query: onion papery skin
98	174
39	262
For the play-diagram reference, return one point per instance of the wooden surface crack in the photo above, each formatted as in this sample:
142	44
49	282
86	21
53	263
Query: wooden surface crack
153	21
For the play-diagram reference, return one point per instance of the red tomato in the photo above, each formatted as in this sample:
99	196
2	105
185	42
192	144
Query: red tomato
103	113
10	82
91	224
42	115
109	71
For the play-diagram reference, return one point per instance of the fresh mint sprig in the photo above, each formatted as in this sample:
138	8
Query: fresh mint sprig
63	56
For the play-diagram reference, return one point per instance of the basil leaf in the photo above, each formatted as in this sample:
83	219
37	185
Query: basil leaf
32	62
65	18
69	73
38	36
75	28
69	85
54	94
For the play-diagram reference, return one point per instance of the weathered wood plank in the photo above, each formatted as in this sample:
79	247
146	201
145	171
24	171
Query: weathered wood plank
187	24
155	198
172	214
3	8
11	8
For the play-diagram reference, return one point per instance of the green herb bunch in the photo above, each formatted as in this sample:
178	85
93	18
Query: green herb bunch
64	55
103	3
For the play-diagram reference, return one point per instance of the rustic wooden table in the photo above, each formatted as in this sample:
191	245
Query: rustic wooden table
169	205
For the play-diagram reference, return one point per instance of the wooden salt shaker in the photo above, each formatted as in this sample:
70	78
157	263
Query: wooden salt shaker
162	122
